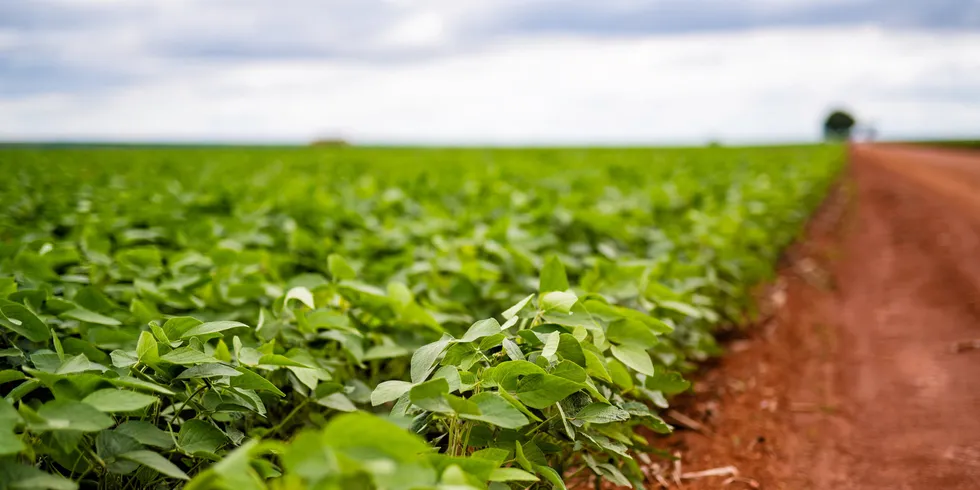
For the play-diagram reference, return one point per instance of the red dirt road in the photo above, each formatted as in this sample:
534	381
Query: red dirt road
852	383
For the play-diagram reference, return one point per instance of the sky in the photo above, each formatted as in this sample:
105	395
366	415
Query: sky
471	72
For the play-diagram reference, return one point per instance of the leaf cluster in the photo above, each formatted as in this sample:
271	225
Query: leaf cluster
370	318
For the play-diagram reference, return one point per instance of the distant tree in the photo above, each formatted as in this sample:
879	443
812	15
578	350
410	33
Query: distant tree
838	126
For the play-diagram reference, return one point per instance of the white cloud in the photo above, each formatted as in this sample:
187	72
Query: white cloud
426	29
750	86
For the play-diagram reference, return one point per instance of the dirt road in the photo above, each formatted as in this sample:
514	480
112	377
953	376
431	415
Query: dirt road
852	383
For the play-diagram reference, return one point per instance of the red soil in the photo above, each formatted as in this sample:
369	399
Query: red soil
853	381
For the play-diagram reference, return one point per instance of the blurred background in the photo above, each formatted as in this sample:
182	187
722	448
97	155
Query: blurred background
510	72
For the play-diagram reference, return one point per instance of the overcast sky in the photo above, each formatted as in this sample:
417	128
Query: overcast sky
485	72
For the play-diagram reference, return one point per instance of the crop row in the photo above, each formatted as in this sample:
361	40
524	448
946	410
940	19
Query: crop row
345	318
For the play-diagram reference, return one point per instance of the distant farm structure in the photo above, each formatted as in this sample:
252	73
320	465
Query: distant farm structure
332	142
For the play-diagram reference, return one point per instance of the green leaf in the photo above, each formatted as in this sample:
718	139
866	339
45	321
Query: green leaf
236	471
337	401
186	356
534	454
553	276
570	349
429	395
565	423
399	293
221	351
8	286
159	334
570	371
8	415
601	413
631	332
451	375
470	469
480	329
521	458
461	406
612	473
175	327
11	352
362	433
511	474
139	384
146	433
23	390
495	454
668	382
153	460
143	311
514	310
518	405
71	415
16	476
543	390
301	294
10	443
120	359
651	322
596	366
109	444
620	375
211	327
250	380
280	360
8	375
648	418
507	374
558	301
494	409
211	370
635	357
22	321
425	358
115	400
308	456
551	346
147	350
551	475
58	347
83	315
339	268
199	436
513	350
492	341
679	307
330	319
656	397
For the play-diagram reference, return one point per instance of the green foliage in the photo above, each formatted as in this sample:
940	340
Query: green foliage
838	125
369	318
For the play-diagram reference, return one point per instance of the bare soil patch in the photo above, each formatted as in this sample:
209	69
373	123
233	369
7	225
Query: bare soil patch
865	374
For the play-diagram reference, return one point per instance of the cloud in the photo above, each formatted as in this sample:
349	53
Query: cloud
387	31
483	71
756	85
618	17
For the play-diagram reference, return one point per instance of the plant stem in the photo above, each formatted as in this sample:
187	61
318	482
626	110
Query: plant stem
283	422
452	437
466	439
184	405
549	419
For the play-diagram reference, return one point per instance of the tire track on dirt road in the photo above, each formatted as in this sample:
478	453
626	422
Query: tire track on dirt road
852	384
